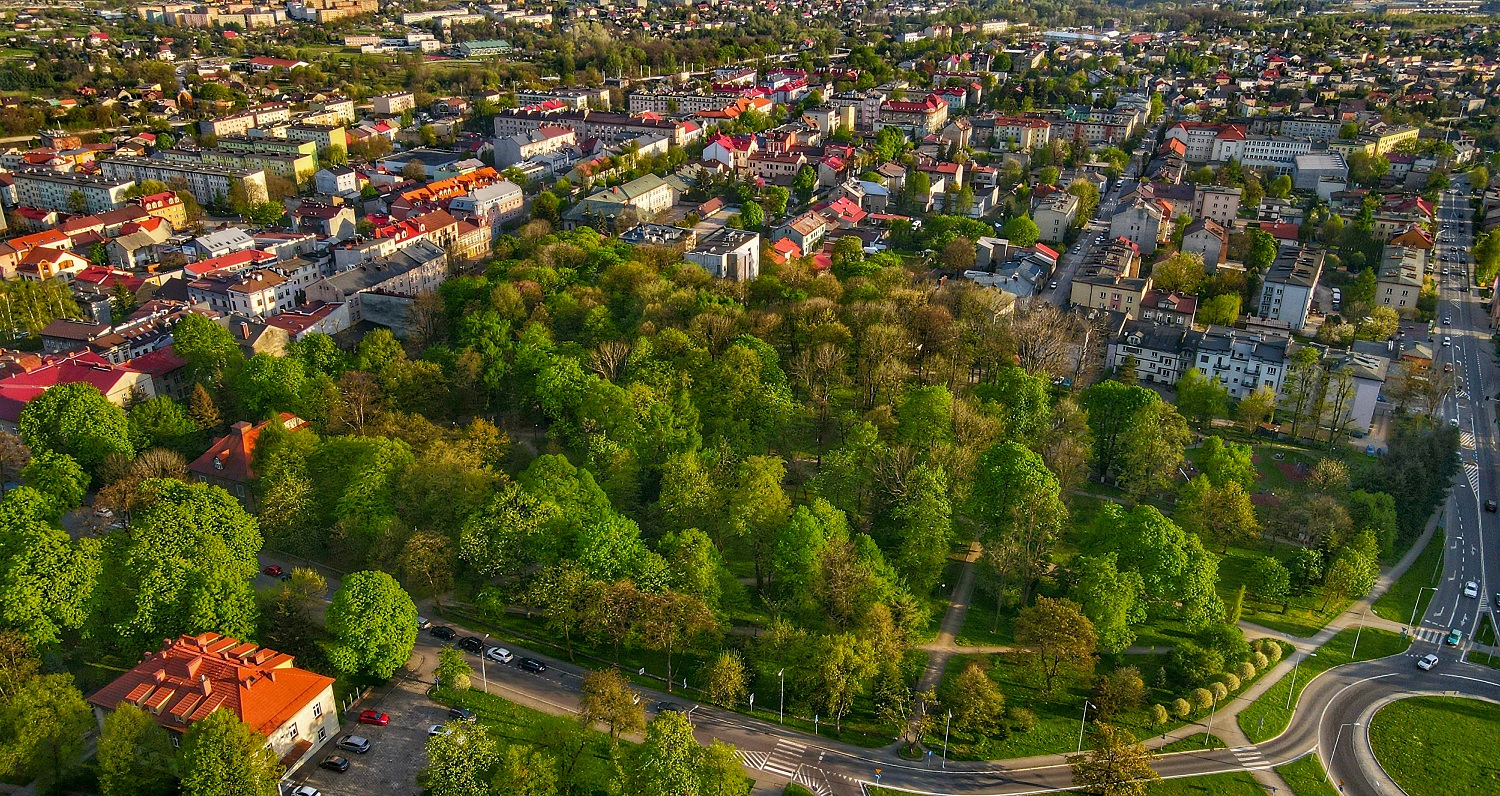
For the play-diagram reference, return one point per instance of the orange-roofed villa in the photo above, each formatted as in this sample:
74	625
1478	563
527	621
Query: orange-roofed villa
192	676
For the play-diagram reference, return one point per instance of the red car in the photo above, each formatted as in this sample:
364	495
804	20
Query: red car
273	570
374	717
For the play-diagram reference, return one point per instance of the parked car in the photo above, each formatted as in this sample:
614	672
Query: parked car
1471	589
499	655
1491	506
272	570
438	729
354	743
461	713
303	790
1426	662
471	644
443	633
1455	636
335	763
375	717
423	623
532	665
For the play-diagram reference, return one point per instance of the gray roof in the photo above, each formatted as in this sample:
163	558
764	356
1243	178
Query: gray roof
368	275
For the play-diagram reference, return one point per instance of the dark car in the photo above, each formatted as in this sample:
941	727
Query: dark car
273	570
532	665
335	763
462	714
668	707
471	644
444	633
1490	506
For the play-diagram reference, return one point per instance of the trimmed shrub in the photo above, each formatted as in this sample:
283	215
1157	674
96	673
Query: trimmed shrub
1020	720
1201	698
1181	708
1272	650
1158	715
1246	670
1230	680
1260	661
1219	691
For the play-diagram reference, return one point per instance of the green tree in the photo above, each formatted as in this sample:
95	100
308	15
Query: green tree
1270	580
223	756
667	761
727	680
1154	451
1112	412
460	760
1182	272
1021	231
752	216
44	725
1256	408
1116	765
671	620
1262	251
1019	503
524	771
77	420
208	347
453	671
1201	398
374	625
1059	640
843	670
162	423
59	479
805	182
45	577
1281	187
1228	462
134	754
1221	310
923	521
1111	599
977	703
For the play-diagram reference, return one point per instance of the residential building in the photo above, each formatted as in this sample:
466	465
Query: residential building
1286	290
728	254
256	293
229	461
333	222
1142	221
541	141
411	272
49	190
1170	309
643	197
490	206
219	243
1015	132
394	103
167	206
1219	203
921	117
1398	282
1241	361
1161	353
1109	279
805	231
1310	169
192	676
1055	215
207	183
120	384
1206	238
297	169
336	181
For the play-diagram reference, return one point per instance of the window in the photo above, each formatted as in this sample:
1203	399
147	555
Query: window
322	734
317	710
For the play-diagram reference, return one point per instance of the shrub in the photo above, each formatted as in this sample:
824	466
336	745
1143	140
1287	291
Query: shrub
1259	661
1246	670
1201	698
1120	690
1226	639
1231	681
1272	650
1158	715
1219	691
1020	720
1192	665
1181	708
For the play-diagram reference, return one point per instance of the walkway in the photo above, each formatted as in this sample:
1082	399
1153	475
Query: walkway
945	645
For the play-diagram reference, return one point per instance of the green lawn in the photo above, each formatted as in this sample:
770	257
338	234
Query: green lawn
1396	604
1192	744
1305	776
1239	783
1483	659
1303	615
1414	739
1267	717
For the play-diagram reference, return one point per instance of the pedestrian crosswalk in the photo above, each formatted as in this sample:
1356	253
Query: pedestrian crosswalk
785	758
1249	756
1429	635
1466	440
755	760
1471	474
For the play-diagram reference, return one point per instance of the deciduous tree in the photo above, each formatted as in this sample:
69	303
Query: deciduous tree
373	622
1116	765
1058	638
134	754
605	696
223	756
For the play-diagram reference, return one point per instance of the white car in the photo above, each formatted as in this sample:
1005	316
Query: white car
1471	589
498	655
303	790
1426	662
438	729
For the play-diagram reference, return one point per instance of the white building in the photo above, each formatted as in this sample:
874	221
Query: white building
728	254
1286	291
49	190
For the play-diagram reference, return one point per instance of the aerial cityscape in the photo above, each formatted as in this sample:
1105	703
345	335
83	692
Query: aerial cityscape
710	398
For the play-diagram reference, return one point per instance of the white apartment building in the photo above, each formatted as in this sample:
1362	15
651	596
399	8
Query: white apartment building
394	104
49	190
206	183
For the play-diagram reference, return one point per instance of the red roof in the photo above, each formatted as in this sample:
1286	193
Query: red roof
108	277
86	366
228	459
240	259
1281	231
192	676
157	363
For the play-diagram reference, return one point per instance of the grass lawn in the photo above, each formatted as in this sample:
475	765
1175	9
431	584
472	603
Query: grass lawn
1414	739
1267	717
1305	776
1483	659
1486	633
1397	603
1193	744
1304	615
1239	783
793	789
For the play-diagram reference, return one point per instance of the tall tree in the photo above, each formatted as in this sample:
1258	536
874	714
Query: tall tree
671	620
1112	411
459	761
606	696
373	622
667	761
524	771
1154	450
44	724
45	577
1059	640
76	419
223	756
977	703
1116	765
134	754
1020	505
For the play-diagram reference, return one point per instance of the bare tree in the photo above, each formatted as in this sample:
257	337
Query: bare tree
14	454
608	359
358	402
1044	338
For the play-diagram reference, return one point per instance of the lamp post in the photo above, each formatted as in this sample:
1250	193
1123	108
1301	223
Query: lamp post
483	648
1354	653
1295	668
1207	734
1084	721
1417	604
946	722
781	705
1336	737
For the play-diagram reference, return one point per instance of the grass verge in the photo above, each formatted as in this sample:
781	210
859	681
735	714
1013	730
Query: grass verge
1397	603
1414	741
1305	776
1268	716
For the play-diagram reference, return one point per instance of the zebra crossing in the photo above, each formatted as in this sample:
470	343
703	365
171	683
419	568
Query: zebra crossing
1466	440
1471	474
1429	635
786	760
1248	756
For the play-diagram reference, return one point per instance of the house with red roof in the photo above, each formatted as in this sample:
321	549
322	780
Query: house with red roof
193	676
228	462
118	383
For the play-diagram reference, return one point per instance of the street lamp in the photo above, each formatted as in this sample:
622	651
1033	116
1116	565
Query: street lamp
781	707
946	722
1340	734
1354	653
483	648
1295	667
1413	623
1086	705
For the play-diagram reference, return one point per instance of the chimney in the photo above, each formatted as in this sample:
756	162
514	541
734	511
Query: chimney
242	428
244	330
205	684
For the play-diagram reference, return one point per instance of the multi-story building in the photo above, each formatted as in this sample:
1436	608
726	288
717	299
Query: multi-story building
413	271
329	10
1286	291
728	254
644	197
541	141
575	98
394	103
245	121
490	206
614	128
921	117
296	169
1110	279
1018	133
1141	221
1312	128
1206	238
679	102
49	190
1217	202
257	293
208	184
806	231
1259	151
865	106
268	145
1239	360
165	205
323	135
1055	215
1398	282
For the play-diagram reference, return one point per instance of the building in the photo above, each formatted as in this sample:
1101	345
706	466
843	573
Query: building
119	384
167	206
806	232
923	117
490	206
1206	238
1239	360
484	48
256	293
229	461
1218	203
413	271
49	190
612	128
297	169
323	135
644	196
1110	279
1055	215
394	103
206	183
219	243
1287	289
192	676
1398	282
1169	309
541	141
728	254
1016	133
1356	377
333	222
1160	353
336	181
1141	221
1311	168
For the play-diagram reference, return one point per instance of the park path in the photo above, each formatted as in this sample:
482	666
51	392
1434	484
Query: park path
945	646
